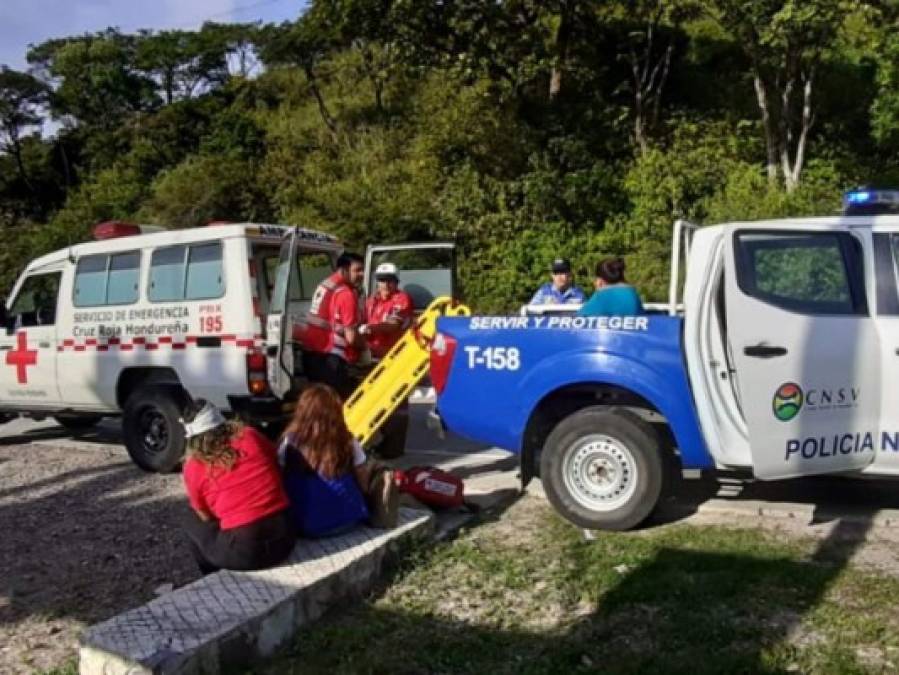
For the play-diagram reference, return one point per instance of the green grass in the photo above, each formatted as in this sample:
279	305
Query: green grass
68	668
528	594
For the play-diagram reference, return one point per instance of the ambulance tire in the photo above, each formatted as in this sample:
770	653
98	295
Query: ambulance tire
77	423
602	468
151	425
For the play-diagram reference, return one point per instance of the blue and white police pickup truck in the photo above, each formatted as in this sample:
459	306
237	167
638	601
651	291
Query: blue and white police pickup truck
783	359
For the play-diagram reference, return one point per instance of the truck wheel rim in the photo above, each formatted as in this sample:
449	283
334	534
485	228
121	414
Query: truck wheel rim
600	472
154	431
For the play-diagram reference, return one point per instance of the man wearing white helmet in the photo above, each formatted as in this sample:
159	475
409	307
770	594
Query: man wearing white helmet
388	314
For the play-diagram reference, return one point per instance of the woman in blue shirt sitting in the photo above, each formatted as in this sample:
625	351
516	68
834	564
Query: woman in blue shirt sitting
613	296
326	475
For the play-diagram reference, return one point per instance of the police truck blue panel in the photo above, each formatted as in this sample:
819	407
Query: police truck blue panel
503	367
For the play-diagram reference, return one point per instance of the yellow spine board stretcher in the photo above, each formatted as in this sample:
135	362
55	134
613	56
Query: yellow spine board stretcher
399	371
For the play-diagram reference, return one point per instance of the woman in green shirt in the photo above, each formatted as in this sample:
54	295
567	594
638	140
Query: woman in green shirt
613	295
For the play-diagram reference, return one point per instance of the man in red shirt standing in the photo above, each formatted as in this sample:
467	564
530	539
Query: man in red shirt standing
388	314
329	333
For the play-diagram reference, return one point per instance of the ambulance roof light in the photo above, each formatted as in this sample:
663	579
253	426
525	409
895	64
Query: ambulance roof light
870	202
112	229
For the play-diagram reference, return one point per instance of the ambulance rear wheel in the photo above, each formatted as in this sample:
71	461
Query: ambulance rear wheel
78	422
602	468
151	425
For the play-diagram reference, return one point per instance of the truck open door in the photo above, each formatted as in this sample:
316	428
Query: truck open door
805	348
427	270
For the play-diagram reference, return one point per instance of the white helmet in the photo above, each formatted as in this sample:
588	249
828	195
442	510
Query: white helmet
387	270
207	419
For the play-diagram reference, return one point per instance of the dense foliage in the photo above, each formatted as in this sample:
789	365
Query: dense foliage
523	129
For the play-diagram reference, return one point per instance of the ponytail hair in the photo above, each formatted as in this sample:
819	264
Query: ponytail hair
611	270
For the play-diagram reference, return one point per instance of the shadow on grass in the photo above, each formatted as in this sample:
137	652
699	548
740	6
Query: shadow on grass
832	497
679	611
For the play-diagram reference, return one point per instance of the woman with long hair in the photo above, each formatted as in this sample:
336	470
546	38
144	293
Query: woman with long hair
239	517
613	295
325	468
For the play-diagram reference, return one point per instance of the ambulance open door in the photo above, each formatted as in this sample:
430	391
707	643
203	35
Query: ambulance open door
427	270
279	324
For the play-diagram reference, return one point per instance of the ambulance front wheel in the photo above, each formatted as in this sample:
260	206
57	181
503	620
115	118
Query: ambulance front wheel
151	425
602	468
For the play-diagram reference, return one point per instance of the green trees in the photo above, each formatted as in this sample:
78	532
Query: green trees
524	130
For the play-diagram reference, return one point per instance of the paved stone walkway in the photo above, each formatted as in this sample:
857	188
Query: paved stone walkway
234	617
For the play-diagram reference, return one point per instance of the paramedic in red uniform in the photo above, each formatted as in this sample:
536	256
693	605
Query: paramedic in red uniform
388	314
329	333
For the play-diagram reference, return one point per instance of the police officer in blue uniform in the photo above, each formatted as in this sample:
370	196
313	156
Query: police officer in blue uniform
561	290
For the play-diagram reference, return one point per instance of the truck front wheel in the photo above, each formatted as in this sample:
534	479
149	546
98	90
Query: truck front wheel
602	468
151	425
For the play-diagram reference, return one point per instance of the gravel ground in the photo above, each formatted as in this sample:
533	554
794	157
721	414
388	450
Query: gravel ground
84	534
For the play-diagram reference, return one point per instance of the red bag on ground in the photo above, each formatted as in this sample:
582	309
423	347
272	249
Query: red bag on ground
432	486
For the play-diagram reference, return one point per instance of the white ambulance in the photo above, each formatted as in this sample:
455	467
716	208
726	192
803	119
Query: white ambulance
138	321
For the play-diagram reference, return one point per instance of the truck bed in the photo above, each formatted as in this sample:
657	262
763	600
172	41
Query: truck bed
488	400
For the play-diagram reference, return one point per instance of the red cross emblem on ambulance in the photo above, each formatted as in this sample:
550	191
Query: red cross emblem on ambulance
21	357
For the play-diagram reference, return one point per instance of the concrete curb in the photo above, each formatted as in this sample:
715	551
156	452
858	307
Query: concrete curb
235	618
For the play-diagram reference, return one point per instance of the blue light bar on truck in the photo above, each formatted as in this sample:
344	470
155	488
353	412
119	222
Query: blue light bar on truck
870	202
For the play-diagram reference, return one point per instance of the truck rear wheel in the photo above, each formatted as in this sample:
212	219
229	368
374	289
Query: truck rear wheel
151	425
602	468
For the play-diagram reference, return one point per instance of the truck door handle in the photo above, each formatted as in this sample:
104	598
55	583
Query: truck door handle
764	351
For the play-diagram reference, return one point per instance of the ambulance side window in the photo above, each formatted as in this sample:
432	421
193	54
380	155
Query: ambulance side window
90	281
205	277
192	272
167	274
107	280
35	304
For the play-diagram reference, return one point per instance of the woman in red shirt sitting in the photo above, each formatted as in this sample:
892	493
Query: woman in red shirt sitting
240	519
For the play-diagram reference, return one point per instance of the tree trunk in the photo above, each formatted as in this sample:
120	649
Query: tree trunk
805	125
649	81
371	71
640	123
319	99
770	137
563	38
15	148
168	80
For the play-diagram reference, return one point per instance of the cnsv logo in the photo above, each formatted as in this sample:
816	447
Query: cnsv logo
827	399
787	401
